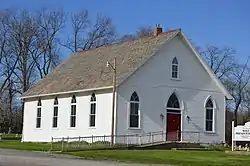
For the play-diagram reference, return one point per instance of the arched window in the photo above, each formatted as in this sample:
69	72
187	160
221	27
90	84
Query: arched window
173	104
209	115
39	114
175	68
134	118
73	112
56	101
55	113
92	110
73	100
39	103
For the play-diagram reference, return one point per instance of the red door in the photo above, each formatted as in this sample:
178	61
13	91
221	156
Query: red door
173	127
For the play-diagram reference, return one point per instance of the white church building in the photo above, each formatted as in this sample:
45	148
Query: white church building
162	84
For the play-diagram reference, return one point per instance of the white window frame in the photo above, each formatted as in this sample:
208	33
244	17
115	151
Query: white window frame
90	115
139	113
176	65
73	104
39	108
205	115
55	105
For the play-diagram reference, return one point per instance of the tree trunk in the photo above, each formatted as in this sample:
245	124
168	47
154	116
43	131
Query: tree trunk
22	115
235	117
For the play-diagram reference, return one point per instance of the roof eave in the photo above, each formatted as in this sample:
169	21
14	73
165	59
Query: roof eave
209	70
66	92
229	97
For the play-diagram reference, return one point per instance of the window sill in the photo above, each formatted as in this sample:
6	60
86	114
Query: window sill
210	132
175	79
134	128
72	128
38	128
92	127
55	128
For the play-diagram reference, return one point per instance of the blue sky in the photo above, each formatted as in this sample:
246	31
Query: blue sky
218	22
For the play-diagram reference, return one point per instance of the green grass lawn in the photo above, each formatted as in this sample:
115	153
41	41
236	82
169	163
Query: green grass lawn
13	141
25	145
195	158
32	146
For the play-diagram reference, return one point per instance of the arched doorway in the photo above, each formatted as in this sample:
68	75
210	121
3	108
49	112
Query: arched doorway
173	125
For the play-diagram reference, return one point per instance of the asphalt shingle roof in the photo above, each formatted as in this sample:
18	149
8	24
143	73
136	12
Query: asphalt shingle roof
87	69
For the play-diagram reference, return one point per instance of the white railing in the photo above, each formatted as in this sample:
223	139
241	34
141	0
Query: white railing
122	141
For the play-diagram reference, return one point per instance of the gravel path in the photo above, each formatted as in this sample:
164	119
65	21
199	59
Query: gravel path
24	158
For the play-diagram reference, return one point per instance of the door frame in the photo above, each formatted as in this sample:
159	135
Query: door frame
166	125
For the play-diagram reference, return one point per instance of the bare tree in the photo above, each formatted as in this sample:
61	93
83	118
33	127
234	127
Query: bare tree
127	38
45	53
29	45
238	84
8	61
85	35
234	75
221	60
80	23
246	99
28	49
100	34
140	32
144	31
23	30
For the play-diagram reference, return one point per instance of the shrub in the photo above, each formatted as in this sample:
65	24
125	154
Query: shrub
10	137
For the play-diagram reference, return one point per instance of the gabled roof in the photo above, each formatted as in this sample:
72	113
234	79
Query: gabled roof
86	70
207	68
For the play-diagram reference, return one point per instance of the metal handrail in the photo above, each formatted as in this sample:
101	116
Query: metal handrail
125	140
123	135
